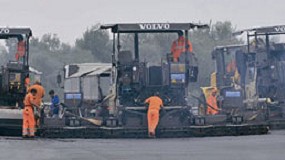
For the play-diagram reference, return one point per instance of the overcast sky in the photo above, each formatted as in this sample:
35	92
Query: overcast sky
69	18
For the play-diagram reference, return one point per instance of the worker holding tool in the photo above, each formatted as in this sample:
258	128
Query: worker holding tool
178	47
28	115
212	108
38	98
155	104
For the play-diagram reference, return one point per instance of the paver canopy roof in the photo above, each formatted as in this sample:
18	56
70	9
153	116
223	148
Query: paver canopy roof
6	32
152	27
278	29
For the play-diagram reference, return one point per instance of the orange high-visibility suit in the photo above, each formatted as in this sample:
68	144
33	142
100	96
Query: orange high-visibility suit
155	103
231	67
178	47
21	49
28	116
40	93
212	100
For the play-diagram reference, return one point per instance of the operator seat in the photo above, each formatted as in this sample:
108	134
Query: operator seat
155	76
125	57
125	62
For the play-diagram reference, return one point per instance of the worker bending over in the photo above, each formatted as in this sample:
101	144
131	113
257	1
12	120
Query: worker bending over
212	107
178	47
28	115
40	92
38	98
155	104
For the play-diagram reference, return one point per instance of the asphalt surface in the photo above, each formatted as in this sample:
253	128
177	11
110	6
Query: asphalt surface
263	147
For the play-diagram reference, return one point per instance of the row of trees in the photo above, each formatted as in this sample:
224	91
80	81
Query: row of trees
49	54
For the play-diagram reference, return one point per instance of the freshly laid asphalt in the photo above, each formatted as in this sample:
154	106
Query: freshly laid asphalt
259	147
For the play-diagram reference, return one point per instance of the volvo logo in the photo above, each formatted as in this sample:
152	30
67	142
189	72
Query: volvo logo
4	30
149	26
280	29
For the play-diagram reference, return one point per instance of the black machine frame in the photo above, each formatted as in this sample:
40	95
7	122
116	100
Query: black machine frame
6	33
180	105
137	28
220	62
14	97
140	28
248	58
262	31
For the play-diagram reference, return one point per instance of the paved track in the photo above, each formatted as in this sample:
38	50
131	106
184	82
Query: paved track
264	147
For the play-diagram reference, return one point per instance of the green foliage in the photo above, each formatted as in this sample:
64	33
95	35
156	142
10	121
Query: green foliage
152	47
97	41
49	55
11	45
222	31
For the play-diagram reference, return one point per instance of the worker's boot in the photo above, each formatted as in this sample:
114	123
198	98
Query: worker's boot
25	136
151	135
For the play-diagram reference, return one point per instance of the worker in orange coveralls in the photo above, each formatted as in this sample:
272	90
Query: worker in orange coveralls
212	101
21	49
178	47
38	98
231	66
40	92
28	115
155	104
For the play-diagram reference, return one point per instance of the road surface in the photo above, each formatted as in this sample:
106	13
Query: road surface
263	147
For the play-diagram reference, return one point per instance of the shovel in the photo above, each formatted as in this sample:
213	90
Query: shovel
91	120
